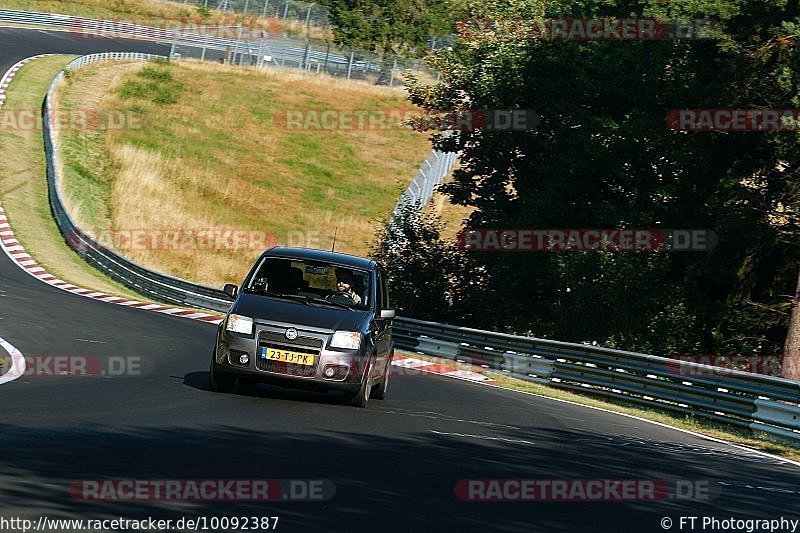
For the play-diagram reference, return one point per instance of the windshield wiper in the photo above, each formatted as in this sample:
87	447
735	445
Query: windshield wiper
293	297
328	302
308	300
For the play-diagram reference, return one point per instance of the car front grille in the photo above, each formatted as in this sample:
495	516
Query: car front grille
268	337
310	345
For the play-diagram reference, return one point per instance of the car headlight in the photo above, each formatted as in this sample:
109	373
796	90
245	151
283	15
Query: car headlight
350	340
239	324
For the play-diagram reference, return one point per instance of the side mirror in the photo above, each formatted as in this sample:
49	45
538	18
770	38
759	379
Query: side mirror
231	290
388	313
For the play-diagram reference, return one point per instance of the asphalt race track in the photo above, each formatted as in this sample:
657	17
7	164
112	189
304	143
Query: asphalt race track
394	465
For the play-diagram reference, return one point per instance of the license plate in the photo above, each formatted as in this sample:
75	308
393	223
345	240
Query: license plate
273	354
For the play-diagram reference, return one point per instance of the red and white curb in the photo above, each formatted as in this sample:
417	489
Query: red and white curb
20	257
10	73
14	250
446	368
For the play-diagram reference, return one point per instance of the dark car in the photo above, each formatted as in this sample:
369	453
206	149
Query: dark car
308	318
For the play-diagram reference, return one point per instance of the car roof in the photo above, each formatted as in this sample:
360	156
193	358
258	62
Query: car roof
320	255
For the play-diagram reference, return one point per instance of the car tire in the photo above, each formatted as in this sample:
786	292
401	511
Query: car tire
219	382
380	391
361	398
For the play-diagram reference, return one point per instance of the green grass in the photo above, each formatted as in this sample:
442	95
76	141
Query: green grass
24	195
257	174
23	186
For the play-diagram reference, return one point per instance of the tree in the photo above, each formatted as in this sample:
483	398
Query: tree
428	276
602	156
791	351
395	26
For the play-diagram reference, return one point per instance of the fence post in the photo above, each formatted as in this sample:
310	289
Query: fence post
391	78
350	64
327	53
232	59
308	17
304	62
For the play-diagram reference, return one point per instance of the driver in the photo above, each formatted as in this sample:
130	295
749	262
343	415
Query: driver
344	284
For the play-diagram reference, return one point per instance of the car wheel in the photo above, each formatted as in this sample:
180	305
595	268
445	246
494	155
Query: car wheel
380	390
361	398
219	382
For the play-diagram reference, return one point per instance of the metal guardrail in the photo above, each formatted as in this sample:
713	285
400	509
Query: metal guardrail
749	401
433	170
307	13
86	26
134	276
282	50
756	402
158	286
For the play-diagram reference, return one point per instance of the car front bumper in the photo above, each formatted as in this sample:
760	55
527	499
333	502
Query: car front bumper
347	364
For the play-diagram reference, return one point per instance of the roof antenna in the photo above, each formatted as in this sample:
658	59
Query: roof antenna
333	246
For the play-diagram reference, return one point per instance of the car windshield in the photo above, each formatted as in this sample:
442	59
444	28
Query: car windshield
313	282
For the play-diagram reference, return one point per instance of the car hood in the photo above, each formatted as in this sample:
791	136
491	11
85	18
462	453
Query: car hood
274	310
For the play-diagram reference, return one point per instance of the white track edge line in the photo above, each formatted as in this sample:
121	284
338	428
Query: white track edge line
634	417
18	365
661	424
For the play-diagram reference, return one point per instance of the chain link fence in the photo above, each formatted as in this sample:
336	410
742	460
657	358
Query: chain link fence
309	14
311	55
241	45
296	49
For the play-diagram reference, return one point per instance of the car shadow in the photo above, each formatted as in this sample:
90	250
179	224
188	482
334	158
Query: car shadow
199	381
392	476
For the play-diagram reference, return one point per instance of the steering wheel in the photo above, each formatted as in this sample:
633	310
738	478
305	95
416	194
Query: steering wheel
260	284
340	295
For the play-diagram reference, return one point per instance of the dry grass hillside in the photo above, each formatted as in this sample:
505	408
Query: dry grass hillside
204	147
